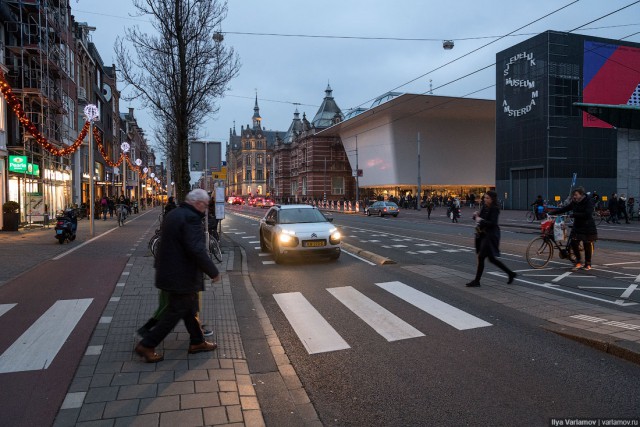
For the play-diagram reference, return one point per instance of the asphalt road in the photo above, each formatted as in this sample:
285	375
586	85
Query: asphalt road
496	367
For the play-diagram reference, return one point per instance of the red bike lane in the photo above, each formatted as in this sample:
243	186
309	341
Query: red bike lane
47	316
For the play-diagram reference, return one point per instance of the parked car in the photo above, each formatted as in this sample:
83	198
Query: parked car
298	230
382	209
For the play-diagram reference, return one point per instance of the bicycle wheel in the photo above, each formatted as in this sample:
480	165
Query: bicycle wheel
214	248
530	217
154	245
539	252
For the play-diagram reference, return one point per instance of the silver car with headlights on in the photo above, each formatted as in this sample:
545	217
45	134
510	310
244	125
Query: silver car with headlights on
298	230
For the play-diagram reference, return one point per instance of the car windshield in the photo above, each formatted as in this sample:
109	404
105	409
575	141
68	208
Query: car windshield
297	215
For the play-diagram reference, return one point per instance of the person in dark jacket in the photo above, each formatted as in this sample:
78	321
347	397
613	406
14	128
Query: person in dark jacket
584	226
181	260
622	208
613	209
487	239
171	205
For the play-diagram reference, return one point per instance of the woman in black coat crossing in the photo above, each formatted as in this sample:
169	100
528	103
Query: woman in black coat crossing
488	238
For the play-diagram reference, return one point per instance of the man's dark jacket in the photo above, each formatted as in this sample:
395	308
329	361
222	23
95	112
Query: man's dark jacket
182	256
583	223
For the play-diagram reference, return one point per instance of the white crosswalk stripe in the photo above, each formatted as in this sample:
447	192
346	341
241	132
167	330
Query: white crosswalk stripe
443	311
38	346
315	333
5	307
318	336
387	324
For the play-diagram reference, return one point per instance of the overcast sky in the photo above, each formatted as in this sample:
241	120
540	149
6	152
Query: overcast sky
287	70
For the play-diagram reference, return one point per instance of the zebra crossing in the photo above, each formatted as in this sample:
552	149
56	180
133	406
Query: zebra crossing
38	346
413	246
318	336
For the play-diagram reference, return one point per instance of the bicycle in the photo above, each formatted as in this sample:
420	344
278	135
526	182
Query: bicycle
540	250
121	214
154	242
214	245
532	215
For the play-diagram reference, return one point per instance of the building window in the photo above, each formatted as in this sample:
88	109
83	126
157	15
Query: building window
294	188
337	185
247	160
247	176
3	125
304	185
260	189
259	175
259	145
260	160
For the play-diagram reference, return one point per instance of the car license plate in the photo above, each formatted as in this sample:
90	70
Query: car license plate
58	231
313	243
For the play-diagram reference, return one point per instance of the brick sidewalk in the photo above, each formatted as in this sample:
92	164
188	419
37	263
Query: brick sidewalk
113	387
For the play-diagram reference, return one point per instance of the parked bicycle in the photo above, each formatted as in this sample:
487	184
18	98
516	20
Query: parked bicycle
154	242
541	249
214	245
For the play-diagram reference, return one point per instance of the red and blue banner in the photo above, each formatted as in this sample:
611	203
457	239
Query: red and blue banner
611	76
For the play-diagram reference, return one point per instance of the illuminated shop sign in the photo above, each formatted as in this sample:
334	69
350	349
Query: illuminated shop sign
19	164
520	104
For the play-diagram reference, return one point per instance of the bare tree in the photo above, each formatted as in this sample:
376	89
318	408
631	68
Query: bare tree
180	72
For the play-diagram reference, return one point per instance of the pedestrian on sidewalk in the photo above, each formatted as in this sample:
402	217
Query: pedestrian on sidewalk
584	226
181	260
487	239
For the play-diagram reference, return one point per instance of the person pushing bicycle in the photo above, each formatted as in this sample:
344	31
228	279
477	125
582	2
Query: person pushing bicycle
584	227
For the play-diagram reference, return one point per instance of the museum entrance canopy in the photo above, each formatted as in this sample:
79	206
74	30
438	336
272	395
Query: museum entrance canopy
620	116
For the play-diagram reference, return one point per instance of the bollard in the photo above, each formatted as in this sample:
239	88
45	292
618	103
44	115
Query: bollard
358	207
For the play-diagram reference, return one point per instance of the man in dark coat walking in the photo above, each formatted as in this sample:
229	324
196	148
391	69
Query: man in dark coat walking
181	260
584	227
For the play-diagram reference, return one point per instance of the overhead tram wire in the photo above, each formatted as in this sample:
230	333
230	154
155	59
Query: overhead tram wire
473	92
473	51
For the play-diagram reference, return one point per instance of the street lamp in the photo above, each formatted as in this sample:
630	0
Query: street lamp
91	114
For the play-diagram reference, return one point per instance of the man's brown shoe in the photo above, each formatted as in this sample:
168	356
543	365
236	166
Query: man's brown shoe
148	354
203	346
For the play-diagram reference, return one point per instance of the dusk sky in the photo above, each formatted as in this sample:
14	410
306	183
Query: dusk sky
363	49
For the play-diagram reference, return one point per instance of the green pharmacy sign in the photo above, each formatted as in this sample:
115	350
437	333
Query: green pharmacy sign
19	164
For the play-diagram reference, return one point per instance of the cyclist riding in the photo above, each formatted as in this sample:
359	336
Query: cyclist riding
213	221
584	226
538	206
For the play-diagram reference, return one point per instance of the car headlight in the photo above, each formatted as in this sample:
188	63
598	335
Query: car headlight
335	237
288	237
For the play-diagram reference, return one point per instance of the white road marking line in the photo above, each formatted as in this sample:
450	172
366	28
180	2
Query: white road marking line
566	291
315	333
268	262
562	276
387	324
629	291
357	257
263	254
256	247
427	252
398	246
447	313
38	346
412	253
622	263
637	278
255	241
249	237
6	307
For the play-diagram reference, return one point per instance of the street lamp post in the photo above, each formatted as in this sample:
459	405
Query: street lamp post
419	195
91	113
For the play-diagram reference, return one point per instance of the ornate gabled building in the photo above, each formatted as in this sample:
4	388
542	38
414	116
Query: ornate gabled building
311	167
249	158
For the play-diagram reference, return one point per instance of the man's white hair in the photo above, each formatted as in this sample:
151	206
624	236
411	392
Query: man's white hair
197	195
